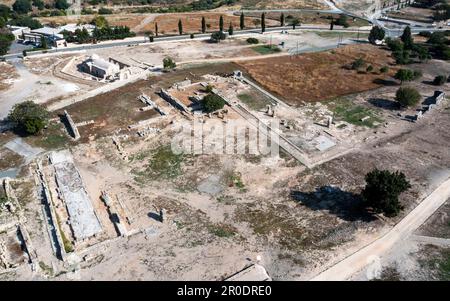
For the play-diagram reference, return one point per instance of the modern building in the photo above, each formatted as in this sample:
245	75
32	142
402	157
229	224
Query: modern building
18	31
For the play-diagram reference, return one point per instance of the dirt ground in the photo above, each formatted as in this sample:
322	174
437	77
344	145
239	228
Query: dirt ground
320	76
7	75
167	23
414	14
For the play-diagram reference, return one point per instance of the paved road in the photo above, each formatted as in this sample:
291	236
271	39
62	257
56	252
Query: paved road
354	263
138	41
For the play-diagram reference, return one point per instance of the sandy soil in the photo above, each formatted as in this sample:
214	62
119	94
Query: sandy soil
8	75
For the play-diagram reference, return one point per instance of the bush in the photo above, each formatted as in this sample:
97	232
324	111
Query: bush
218	36
169	63
28	117
384	69
394	44
212	102
369	68
357	64
440	80
425	34
407	96
104	11
382	191
252	41
192	35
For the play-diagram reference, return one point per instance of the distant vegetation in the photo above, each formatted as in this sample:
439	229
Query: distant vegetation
407	96
212	102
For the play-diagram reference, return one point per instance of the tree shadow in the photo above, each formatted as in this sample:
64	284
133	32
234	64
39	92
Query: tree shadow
346	205
385	82
384	103
429	101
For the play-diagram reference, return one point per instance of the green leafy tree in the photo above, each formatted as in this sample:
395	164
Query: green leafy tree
203	25
407	39
242	21
180	27
6	40
230	29
28	117
407	96
382	191
217	36
376	34
221	23
295	22
61	4
212	102
404	75
100	22
39	4
169	63
5	11
263	22
22	6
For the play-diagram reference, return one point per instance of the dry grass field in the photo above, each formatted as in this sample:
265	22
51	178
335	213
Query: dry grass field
320	76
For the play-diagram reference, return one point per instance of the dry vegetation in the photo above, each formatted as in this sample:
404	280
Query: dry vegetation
7	73
319	76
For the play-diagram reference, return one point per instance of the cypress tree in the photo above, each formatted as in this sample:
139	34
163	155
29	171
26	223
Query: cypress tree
263	22
242	21
203	25
221	23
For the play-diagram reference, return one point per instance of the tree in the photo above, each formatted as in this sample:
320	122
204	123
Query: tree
6	40
295	22
282	19
407	39
376	34
230	29
406	75
440	80
22	6
180	27
382	191
61	4
407	96
332	24
203	25
39	4
44	44
221	23
217	36
342	20
242	21
169	63
212	102
156	29
28	117
5	11
263	22
252	41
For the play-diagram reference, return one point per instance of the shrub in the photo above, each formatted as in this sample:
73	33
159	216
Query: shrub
407	96
439	80
369	68
192	35
218	36
169	63
358	63
376	33
384	69
252	41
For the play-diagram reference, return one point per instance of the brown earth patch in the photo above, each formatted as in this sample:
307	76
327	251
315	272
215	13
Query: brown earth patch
320	76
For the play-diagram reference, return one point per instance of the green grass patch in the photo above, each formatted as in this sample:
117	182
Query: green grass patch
46	268
222	230
163	164
68	247
253	101
53	137
345	110
266	49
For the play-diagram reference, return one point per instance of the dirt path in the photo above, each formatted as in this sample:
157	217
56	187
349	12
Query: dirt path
357	261
145	22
